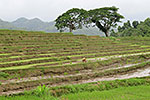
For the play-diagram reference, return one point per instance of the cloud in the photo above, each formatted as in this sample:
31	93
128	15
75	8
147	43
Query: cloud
49	9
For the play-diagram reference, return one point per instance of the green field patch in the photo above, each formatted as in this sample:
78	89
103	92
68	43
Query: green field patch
60	63
47	54
21	56
82	55
28	97
4	54
16	56
122	93
58	53
27	60
134	45
37	64
145	46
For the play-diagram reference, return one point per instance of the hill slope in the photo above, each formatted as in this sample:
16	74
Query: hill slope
6	25
39	25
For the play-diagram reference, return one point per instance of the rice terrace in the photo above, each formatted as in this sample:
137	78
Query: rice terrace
64	60
57	60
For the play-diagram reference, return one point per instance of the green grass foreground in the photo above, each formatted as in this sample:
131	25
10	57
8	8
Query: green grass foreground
29	97
123	93
127	89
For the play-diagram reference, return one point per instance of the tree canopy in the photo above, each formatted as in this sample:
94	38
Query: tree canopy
136	29
135	24
104	18
72	20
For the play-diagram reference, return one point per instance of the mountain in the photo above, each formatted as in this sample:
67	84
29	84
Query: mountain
38	25
6	25
89	31
34	25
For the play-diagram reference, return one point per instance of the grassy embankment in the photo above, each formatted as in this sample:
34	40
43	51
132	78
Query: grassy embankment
129	89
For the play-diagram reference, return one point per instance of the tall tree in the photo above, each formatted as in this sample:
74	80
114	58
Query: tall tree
104	18
72	19
127	25
120	29
135	24
141	28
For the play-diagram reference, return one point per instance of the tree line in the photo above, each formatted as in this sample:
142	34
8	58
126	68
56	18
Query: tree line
104	18
134	28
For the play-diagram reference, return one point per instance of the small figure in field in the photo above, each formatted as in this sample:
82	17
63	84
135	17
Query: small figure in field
84	60
24	48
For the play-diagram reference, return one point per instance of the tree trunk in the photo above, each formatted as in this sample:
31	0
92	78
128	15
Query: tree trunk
106	33
102	28
70	29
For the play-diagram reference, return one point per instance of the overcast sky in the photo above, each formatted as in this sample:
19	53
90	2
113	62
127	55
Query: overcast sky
49	10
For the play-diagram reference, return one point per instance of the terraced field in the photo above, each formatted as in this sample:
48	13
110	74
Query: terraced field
30	59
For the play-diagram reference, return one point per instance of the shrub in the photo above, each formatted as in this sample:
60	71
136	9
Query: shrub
41	90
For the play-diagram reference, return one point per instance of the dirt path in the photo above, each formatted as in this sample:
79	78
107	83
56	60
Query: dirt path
139	73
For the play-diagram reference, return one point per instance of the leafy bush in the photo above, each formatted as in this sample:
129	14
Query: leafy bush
41	90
